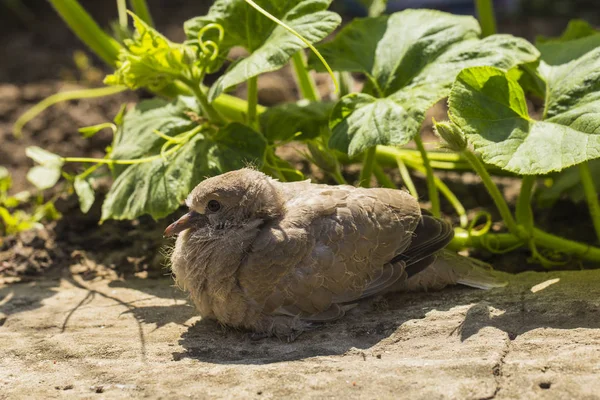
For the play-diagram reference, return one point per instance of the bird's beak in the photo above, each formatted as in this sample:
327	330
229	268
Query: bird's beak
182	223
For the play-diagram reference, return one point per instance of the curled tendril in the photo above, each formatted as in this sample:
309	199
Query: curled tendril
486	227
210	48
488	242
547	261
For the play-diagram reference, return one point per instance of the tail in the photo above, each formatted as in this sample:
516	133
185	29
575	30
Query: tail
450	268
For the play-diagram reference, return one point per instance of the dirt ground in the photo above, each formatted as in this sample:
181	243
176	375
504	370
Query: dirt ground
89	311
140	338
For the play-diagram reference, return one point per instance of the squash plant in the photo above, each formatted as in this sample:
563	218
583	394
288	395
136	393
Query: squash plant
411	60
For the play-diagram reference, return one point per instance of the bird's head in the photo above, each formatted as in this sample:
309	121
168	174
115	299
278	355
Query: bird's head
232	200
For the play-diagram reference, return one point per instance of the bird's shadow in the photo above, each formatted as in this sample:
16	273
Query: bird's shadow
514	310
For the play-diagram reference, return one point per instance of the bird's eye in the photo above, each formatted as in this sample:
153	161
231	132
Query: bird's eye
213	206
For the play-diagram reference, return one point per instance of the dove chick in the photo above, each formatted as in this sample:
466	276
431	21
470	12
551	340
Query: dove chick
275	258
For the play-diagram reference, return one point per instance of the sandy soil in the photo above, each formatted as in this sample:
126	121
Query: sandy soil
105	338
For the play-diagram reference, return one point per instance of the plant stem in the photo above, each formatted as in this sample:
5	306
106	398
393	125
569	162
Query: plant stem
122	12
434	197
524	213
346	83
140	8
406	178
308	90
252	101
59	97
367	167
463	240
306	84
567	246
485	13
233	108
86	29
591	195
448	194
493	190
338	177
208	110
382	177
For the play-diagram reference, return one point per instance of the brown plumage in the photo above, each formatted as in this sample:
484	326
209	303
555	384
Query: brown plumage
277	257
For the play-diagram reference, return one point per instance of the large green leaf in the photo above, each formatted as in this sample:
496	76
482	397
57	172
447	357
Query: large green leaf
301	121
236	146
490	109
158	187
411	59
270	45
135	136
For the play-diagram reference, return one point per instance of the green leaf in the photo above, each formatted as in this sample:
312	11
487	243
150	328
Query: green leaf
578	39
157	188
300	121
89	131
43	157
410	59
44	176
236	146
360	121
576	29
271	46
85	193
491	110
151	60
135	137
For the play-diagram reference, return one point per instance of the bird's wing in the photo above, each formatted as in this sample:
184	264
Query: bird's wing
333	246
450	268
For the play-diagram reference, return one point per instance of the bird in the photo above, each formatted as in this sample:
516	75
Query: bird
280	258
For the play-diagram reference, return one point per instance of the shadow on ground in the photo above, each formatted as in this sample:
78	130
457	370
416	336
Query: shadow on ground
573	302
514	310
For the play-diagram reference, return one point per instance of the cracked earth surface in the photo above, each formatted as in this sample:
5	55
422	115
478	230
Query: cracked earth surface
104	338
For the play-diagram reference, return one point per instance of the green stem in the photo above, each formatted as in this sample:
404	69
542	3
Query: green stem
448	194
591	195
59	97
493	190
233	108
567	246
346	83
181	141
306	83
140	8
382	177
272	164
367	167
463	240
252	101
406	178
338	177
208	110
122	12
485	13
524	213
86	29
434	197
